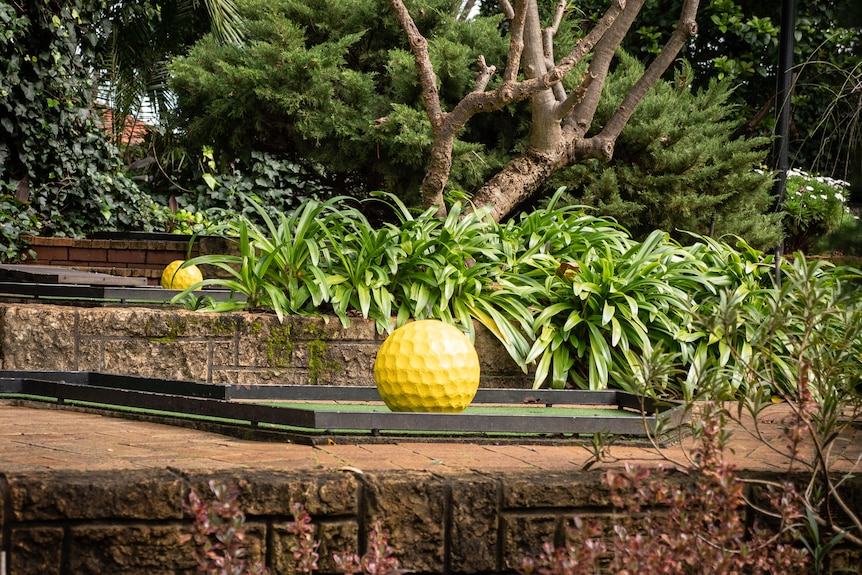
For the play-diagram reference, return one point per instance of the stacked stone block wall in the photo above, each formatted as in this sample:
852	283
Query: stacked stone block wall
233	348
133	523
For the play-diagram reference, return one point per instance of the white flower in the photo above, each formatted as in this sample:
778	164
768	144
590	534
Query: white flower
835	183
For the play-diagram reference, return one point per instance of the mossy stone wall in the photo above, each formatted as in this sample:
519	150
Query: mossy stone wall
237	348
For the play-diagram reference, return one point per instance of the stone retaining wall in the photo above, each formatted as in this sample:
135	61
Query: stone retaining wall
133	523
240	348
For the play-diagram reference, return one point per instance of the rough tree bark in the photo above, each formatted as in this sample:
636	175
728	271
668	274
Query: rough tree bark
560	121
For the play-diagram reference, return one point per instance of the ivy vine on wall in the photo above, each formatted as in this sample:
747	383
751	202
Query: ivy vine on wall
59	174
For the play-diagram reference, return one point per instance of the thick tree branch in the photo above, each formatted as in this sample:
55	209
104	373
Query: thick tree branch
583	47
548	35
577	94
685	29
601	146
748	127
465	10
437	174
544	127
550	32
581	115
483	76
427	78
515	183
516	43
559	12
533	59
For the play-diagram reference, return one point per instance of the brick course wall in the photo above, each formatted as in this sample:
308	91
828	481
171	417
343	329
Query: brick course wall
102	522
132	523
127	258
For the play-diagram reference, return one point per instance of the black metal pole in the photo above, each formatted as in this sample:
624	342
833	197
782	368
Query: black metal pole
784	87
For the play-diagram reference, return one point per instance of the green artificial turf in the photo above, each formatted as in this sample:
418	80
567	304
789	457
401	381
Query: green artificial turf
533	410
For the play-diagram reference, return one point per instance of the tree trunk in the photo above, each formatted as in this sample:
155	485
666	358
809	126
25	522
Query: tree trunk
560	121
517	182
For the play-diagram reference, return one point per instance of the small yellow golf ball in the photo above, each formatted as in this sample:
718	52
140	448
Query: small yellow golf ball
175	278
427	365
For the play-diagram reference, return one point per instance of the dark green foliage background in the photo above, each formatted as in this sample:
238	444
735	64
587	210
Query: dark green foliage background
738	40
334	83
49	139
322	98
677	166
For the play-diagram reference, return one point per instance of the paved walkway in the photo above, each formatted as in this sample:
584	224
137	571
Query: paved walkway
50	439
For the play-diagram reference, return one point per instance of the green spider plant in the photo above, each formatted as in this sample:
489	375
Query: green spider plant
277	265
604	308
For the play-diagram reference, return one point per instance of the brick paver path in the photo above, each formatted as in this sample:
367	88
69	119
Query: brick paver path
58	439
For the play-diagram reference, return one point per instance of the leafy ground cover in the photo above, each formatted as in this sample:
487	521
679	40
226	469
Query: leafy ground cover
570	295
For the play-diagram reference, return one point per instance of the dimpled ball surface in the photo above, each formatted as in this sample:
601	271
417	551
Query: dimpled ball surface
175	278
427	365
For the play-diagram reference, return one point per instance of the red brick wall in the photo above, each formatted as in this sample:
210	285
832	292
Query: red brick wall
128	258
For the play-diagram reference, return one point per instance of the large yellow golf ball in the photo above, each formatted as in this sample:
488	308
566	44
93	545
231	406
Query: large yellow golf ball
427	365
175	278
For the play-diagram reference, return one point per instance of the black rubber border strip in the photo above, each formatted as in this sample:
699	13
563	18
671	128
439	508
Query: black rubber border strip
214	400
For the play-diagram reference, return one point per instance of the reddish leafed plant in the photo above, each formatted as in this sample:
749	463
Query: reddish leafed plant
378	559
684	527
579	556
218	532
306	554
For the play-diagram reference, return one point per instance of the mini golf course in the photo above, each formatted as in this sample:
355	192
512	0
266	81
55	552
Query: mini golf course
313	414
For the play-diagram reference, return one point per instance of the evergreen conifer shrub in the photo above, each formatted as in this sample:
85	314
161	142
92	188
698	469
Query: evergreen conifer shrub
676	166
